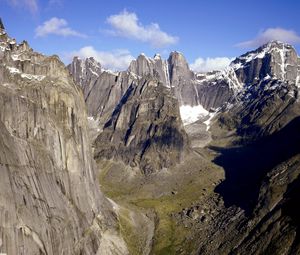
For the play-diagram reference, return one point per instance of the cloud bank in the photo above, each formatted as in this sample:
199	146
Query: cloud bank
210	64
270	34
126	24
56	26
114	60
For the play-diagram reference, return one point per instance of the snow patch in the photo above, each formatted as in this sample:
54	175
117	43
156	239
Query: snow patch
297	81
93	123
282	66
190	114
267	77
207	122
111	72
33	77
167	73
13	70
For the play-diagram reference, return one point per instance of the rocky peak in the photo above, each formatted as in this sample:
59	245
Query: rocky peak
178	66
156	67
146	124
84	69
275	60
85	72
20	61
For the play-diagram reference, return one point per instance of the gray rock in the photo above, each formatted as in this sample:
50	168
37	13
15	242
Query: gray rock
275	59
50	202
156	67
145	125
85	73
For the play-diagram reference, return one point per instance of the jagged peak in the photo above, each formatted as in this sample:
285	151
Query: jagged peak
175	52
276	43
157	57
261	52
145	57
87	61
177	57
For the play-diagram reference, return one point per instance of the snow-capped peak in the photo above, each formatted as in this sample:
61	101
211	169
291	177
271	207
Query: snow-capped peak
261	52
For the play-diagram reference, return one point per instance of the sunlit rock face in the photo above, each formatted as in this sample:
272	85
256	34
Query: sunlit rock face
50	202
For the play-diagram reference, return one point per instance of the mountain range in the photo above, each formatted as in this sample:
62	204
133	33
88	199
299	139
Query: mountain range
155	159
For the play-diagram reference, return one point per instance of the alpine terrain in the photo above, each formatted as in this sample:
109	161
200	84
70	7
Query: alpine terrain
155	159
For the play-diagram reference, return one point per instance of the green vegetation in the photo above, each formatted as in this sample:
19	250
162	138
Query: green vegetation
165	195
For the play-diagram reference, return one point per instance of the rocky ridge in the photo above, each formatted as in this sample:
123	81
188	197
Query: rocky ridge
257	106
251	110
145	124
50	202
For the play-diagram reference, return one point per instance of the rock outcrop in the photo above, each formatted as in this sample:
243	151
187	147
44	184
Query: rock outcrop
103	89
275	59
85	73
145	125
260	156
50	202
155	67
255	106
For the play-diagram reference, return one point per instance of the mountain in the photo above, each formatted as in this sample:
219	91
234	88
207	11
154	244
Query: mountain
145	124
256	136
251	111
187	163
267	100
50	202
102	89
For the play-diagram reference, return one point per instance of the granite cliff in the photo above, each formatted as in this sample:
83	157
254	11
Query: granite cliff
50	201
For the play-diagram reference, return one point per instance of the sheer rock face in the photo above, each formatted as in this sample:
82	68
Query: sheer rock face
145	125
106	94
155	67
275	59
103	89
85	73
50	202
269	97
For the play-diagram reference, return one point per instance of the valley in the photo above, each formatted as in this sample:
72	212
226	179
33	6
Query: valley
155	159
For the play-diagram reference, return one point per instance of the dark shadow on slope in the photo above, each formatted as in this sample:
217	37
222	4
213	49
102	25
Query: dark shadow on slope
246	166
291	208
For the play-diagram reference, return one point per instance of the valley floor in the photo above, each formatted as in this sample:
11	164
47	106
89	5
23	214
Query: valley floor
156	212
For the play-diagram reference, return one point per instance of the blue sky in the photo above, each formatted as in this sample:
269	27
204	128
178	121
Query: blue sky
115	31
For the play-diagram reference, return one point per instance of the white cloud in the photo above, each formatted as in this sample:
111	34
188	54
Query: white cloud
56	26
31	5
270	34
210	64
114	60
126	24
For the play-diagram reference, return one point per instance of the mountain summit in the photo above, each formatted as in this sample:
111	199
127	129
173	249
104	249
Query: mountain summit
274	59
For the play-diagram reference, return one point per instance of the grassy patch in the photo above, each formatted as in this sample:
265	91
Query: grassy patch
129	232
192	186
